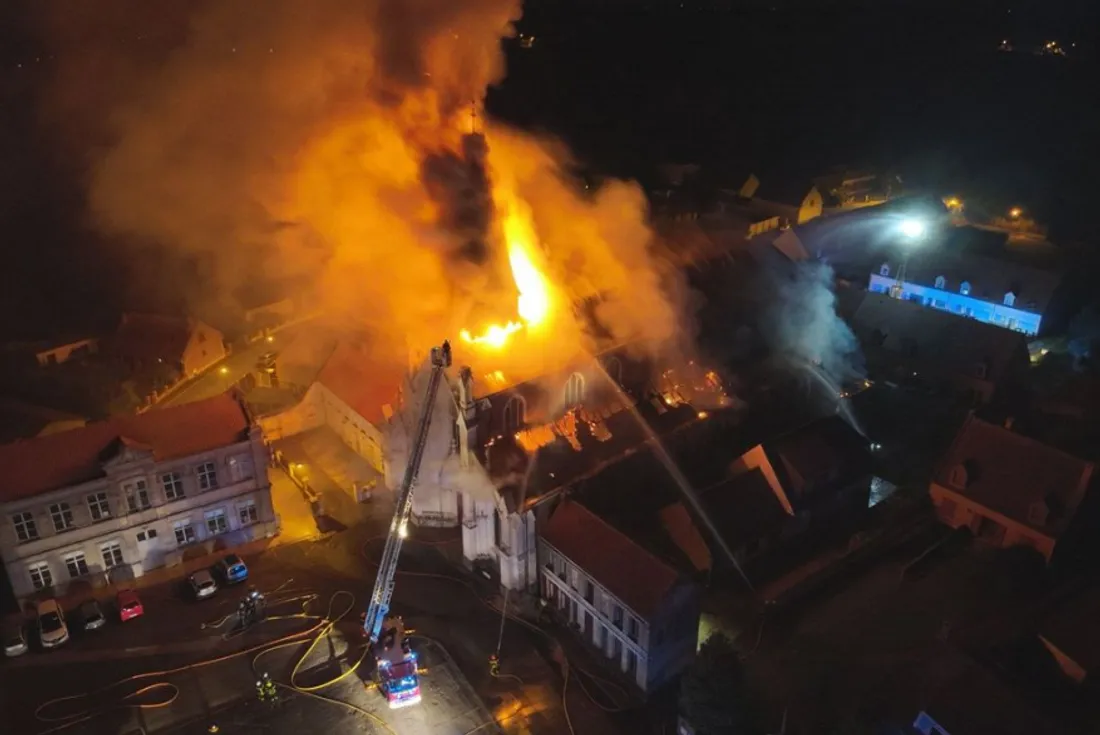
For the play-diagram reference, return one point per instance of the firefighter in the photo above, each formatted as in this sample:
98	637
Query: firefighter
494	665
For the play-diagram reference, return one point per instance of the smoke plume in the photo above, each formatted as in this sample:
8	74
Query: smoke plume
330	142
802	323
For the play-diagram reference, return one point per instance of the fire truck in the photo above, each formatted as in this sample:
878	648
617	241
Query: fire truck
395	667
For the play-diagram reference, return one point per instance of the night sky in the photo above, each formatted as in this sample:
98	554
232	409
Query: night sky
914	86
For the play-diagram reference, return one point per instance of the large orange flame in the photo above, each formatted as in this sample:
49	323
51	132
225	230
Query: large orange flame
534	301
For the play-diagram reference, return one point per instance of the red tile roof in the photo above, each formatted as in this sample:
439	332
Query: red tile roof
360	381
72	457
639	579
1008	473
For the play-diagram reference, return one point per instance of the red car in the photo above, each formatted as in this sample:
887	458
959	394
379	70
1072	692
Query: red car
129	606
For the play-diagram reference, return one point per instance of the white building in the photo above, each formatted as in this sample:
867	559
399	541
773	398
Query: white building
114	499
635	609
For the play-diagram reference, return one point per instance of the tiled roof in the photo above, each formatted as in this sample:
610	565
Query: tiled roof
742	510
1009	473
826	451
942	340
152	337
1071	627
629	572
360	381
72	457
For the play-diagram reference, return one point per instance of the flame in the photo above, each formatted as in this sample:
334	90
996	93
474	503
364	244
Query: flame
533	303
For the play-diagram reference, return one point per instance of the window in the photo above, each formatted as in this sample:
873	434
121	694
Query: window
247	512
208	475
589	591
62	516
112	554
185	532
939	303
617	617
497	529
41	577
76	564
631	661
172	484
574	390
25	529
632	628
98	506
239	468
515	414
884	269
601	636
216	521
137	495
964	288
147	535
941	282
1010	299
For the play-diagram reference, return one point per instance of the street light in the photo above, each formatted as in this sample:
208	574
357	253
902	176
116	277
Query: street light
912	228
1015	212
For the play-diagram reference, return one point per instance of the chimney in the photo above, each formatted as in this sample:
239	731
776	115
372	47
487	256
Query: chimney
466	392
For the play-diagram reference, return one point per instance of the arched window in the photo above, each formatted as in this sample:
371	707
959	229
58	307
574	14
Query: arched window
964	288
1010	298
941	282
884	269
515	414
613	366
574	390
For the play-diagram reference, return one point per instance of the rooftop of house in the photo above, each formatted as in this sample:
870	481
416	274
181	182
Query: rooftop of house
1012	474
1071	628
824	452
635	576
782	189
954	343
72	457
361	381
742	510
152	336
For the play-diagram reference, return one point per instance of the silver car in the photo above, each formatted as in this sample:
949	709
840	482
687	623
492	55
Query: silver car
202	584
91	615
52	630
15	641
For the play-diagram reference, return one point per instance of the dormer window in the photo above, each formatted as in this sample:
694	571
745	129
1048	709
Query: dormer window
964	288
941	282
1038	513
884	269
1010	298
959	476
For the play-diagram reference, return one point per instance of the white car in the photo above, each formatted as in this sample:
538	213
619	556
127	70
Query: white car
52	630
202	584
15	641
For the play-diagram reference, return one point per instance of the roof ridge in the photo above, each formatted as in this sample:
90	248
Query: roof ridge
1024	439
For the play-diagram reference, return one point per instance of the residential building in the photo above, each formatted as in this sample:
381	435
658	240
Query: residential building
146	341
795	201
1008	489
114	499
1070	633
974	273
631	606
57	353
942	352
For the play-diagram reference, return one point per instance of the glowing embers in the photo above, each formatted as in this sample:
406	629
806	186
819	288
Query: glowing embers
694	386
535	437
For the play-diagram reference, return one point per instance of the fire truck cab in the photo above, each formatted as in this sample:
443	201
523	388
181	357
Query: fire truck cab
396	666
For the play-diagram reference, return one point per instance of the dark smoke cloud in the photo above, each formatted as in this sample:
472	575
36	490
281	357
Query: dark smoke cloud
459	185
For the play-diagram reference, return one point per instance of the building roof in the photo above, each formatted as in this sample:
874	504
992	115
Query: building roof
1011	473
72	457
788	190
22	420
742	509
1071	627
948	342
152	337
361	381
826	452
639	579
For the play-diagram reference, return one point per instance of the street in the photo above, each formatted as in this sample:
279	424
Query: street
209	676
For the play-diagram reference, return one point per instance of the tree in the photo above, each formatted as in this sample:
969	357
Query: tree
713	696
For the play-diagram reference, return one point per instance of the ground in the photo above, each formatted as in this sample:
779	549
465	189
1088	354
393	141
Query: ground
455	617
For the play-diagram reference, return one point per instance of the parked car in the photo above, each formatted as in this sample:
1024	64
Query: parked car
231	569
202	584
15	640
91	615
52	630
129	605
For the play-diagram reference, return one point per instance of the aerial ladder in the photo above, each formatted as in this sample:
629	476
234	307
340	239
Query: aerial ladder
395	661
